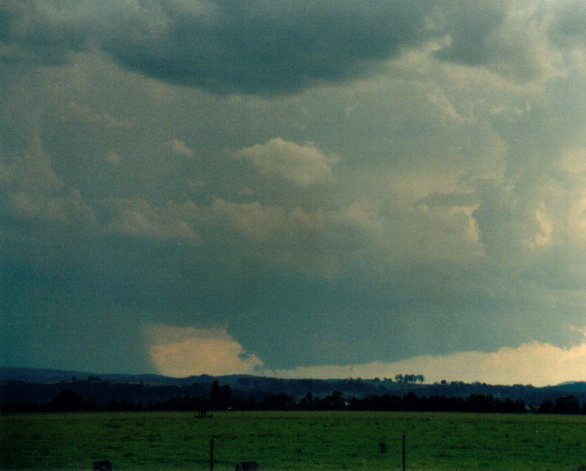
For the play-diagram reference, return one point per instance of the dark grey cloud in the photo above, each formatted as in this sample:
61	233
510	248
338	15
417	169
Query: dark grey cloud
449	199
36	33
569	25
223	46
277	47
471	25
506	37
272	47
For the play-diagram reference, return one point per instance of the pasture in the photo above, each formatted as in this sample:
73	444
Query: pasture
294	441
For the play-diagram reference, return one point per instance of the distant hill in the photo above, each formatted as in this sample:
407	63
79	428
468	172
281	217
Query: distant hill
37	385
44	375
39	375
574	387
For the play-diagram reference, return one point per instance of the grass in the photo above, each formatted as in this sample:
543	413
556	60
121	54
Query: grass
294	441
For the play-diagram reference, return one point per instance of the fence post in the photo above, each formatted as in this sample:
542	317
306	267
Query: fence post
404	454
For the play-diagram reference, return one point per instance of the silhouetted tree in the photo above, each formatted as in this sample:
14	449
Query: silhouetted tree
69	401
307	402
333	402
546	407
220	397
566	405
280	401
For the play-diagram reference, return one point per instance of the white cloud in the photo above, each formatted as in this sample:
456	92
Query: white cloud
247	192
31	189
138	218
446	108
361	214
316	241
34	171
194	184
574	161
112	158
302	165
97	116
311	241
251	220
179	147
534	363
258	222
186	351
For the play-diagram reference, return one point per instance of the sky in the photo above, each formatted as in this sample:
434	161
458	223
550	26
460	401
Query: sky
295	189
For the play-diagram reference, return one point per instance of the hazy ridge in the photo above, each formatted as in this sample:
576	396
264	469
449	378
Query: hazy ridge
41	385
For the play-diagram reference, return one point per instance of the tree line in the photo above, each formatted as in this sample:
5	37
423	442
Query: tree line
221	398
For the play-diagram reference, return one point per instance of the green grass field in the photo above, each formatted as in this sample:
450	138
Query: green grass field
294	441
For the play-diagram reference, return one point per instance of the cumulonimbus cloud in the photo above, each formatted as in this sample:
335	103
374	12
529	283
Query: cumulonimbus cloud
185	351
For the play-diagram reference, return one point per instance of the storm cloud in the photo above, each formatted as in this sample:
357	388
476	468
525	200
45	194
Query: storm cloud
291	186
270	48
224	46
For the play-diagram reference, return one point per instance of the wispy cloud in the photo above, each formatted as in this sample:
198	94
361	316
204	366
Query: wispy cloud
85	113
179	147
